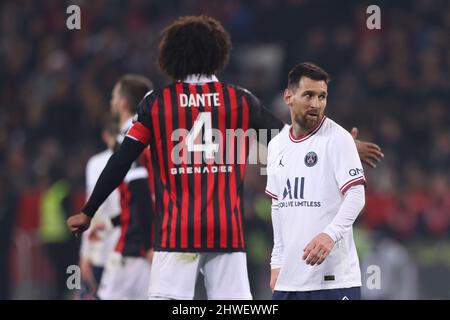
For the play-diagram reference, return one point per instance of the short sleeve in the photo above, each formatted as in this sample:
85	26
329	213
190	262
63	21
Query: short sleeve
141	128
347	166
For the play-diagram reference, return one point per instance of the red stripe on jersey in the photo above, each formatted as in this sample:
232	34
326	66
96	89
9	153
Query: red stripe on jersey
184	178
210	190
139	132
159	154
172	186
197	183
231	150
124	215
351	183
222	207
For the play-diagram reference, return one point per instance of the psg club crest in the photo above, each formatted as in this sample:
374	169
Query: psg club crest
310	159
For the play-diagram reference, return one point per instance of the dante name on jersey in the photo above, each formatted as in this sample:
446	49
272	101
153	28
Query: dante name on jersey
197	100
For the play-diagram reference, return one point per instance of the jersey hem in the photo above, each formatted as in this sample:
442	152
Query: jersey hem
319	287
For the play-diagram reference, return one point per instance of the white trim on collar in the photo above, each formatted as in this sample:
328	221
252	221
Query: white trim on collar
200	78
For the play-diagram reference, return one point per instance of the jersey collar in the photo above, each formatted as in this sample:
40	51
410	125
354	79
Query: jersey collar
200	78
307	136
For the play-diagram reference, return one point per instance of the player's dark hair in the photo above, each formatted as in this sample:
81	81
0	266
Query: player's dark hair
193	45
309	70
133	87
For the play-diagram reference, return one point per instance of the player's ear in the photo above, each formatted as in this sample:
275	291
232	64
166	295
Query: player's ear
287	96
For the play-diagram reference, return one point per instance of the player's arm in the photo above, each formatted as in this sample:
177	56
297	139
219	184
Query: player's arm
349	177
348	212
137	138
110	178
318	249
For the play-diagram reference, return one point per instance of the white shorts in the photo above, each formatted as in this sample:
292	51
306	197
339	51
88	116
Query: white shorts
174	274
124	278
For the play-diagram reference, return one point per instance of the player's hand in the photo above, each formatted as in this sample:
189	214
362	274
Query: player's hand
274	277
78	223
370	153
318	249
149	256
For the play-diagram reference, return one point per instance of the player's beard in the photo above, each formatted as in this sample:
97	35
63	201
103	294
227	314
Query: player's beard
307	122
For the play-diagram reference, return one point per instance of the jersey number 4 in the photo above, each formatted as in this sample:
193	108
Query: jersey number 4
203	120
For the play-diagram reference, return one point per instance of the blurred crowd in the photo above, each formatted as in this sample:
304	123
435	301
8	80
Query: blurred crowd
393	84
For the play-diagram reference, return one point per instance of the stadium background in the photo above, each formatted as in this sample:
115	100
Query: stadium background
392	83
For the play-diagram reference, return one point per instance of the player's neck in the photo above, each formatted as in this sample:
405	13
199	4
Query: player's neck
299	131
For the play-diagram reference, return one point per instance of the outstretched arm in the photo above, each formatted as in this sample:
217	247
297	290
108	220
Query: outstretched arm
112	175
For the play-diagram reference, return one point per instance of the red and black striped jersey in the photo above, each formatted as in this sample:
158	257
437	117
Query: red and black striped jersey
199	135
